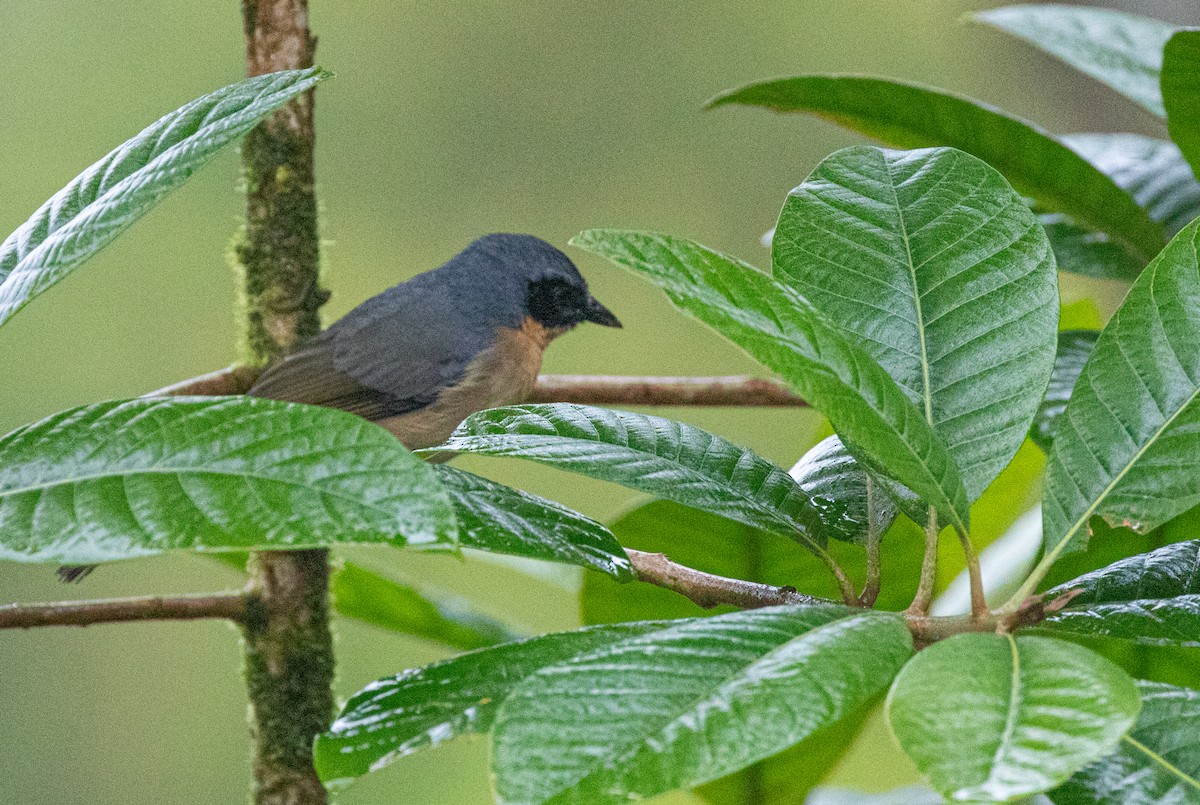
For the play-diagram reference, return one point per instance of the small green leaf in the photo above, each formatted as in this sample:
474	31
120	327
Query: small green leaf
689	704
369	597
781	330
829	473
499	519
1086	252
116	480
1157	763
990	717
1074	347
417	709
1181	92
1124	51
913	116
669	459
944	276
104	200
1136	390
1150	599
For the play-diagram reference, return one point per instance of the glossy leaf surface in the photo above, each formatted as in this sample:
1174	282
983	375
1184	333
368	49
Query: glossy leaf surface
499	519
1151	599
781	330
115	480
1127	446
829	473
104	200
944	276
913	116
424	707
1124	51
689	704
668	459
989	717
1158	763
1181	92
1074	347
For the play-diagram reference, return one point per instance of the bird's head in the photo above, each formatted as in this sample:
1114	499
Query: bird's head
556	295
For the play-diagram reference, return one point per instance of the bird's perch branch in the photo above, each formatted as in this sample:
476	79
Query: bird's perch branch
732	391
227	606
707	590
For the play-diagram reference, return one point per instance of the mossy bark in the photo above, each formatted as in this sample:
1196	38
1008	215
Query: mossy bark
288	644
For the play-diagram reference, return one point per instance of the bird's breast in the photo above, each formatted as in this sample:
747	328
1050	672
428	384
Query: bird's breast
503	374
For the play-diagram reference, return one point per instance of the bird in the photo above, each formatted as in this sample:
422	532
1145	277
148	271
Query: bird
422	356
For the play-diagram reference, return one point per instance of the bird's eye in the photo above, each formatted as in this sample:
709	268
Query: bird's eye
555	302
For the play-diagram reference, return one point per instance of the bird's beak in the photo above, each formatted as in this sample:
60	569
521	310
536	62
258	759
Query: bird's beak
599	314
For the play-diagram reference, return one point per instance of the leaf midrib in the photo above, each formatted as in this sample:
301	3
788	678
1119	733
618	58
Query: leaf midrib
1170	767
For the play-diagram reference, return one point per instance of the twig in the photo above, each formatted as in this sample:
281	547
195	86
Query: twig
979	607
229	606
732	391
707	590
924	597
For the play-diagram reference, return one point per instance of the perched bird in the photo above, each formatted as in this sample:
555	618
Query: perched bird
422	356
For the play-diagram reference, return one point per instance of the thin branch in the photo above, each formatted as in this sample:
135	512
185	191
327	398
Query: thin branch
924	597
979	607
707	590
228	606
733	391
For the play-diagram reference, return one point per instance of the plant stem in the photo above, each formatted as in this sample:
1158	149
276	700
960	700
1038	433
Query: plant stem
924	597
870	593
979	607
289	650
229	606
708	590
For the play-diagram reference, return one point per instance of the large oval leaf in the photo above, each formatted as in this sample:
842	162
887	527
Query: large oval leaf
946	279
659	456
499	519
1074	348
780	329
828	472
992	717
1157	763
913	116
398	715
1180	84
688	704
1151	599
1124	51
1127	447
121	479
104	200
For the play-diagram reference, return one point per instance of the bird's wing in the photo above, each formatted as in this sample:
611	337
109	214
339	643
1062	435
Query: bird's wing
392	358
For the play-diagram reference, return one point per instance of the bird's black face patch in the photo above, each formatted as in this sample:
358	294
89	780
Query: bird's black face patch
557	302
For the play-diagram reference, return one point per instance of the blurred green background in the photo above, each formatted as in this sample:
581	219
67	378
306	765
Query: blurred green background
445	121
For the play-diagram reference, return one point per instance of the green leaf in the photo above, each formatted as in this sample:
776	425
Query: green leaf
1074	347
1157	763
499	519
912	116
992	717
121	479
781	330
829	473
1126	447
366	596
1181	92
668	459
1153	171
689	704
944	276
1150	599
1124	51
425	707
104	200
1086	252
